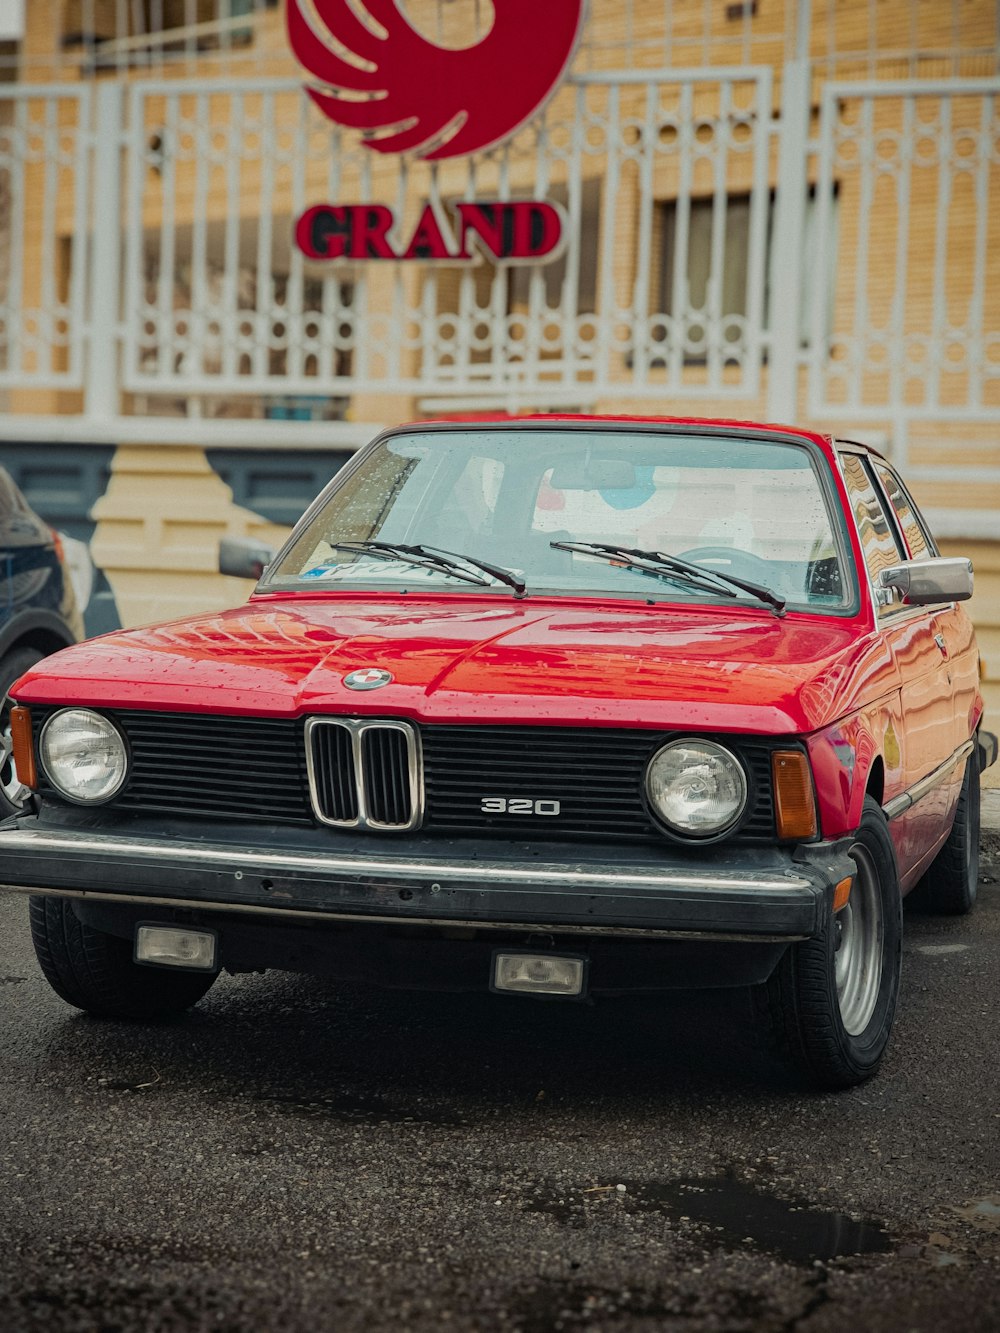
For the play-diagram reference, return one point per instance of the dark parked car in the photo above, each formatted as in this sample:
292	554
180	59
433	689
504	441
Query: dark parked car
555	706
38	607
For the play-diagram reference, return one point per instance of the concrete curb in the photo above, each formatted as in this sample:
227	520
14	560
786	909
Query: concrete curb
991	810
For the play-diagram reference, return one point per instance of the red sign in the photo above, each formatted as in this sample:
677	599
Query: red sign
523	229
374	72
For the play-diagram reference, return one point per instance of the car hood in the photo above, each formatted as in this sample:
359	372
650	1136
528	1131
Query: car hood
485	660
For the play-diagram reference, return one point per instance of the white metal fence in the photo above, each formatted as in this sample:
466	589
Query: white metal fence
910	326
723	247
45	140
218	301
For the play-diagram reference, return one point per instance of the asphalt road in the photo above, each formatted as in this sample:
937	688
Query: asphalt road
295	1156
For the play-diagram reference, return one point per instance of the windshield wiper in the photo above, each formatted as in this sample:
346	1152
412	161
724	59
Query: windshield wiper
498	571
434	557
672	567
412	555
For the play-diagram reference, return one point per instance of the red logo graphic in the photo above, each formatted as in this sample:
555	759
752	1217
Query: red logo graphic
375	73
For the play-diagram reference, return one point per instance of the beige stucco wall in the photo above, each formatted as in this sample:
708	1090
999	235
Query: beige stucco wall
985	611
158	530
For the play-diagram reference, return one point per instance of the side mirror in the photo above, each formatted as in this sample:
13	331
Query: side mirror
924	582
243	557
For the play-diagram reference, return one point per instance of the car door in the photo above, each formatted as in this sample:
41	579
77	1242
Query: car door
952	627
914	638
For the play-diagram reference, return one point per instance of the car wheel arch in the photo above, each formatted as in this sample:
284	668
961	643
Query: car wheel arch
869	779
42	632
875	779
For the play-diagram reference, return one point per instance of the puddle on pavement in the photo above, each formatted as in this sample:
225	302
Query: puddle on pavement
735	1214
982	1213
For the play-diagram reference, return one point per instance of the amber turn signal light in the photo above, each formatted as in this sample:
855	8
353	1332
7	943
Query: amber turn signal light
23	747
842	893
794	804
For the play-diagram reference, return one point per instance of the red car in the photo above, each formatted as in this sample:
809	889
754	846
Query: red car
554	706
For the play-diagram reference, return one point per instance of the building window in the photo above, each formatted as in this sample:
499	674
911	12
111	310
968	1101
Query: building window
697	273
262	328
113	31
734	272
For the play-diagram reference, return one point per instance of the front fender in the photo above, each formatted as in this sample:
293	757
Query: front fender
847	755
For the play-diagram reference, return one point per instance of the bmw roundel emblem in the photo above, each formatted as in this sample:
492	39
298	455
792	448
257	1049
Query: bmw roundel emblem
367	678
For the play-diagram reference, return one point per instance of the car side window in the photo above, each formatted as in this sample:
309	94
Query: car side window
916	540
879	540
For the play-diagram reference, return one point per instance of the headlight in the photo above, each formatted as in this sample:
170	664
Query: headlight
83	755
696	787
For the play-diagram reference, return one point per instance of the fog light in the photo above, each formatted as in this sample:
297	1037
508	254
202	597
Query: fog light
539	973
171	946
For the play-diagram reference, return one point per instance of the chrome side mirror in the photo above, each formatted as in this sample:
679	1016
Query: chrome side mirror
924	582
243	557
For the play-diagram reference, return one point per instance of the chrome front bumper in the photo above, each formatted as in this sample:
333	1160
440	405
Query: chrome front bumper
748	893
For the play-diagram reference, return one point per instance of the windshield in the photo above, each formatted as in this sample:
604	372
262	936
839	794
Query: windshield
749	510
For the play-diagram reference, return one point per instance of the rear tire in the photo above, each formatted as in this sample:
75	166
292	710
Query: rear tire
951	882
94	971
828	1008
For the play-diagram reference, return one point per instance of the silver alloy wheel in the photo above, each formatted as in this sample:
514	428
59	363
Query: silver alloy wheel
13	791
860	947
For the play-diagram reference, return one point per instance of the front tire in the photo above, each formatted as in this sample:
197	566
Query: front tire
829	1006
94	971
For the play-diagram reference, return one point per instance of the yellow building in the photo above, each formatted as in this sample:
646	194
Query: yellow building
772	209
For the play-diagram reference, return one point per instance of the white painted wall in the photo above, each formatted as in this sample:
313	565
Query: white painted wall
11	20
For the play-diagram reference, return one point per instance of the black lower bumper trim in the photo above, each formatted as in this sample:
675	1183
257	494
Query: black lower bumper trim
409	957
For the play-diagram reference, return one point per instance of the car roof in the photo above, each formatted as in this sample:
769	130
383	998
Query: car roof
734	426
696	425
